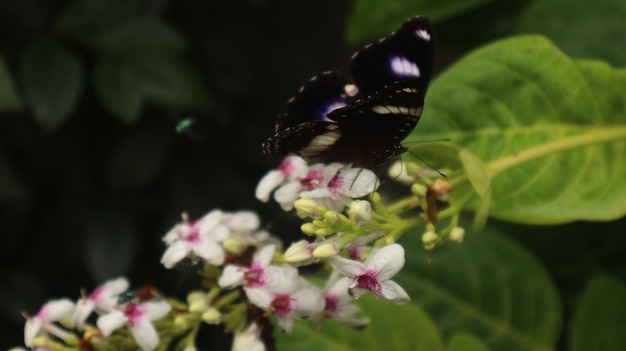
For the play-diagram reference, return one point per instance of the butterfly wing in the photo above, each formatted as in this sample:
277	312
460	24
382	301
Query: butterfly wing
407	54
318	97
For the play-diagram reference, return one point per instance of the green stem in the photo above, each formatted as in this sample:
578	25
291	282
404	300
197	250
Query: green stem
597	136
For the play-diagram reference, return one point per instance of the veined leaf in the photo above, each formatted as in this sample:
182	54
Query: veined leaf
550	130
599	321
487	286
466	342
393	327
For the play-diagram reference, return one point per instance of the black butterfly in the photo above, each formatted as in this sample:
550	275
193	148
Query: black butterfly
363	123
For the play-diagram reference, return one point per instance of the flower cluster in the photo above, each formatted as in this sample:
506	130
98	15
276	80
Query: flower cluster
245	274
56	318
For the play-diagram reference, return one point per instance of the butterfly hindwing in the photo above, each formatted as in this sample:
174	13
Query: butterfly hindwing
318	97
333	120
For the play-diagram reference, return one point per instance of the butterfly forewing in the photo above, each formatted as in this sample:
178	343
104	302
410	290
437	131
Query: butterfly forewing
407	54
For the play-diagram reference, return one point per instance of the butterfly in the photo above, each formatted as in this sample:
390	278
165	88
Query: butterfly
363	122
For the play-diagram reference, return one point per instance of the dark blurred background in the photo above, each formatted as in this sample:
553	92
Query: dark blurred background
92	169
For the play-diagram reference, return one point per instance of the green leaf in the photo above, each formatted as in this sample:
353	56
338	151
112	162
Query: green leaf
579	27
137	38
393	327
551	131
120	89
371	18
137	159
10	188
8	96
488	286
466	342
599	322
51	78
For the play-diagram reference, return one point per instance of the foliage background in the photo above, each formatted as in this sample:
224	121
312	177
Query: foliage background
92	172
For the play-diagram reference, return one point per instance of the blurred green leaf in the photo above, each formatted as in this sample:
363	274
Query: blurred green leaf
580	28
8	97
120	89
109	243
10	189
123	87
137	159
371	18
599	322
51	78
550	130
393	327
466	342
487	286
137	38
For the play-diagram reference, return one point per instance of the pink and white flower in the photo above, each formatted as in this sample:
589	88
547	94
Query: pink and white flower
248	340
261	274
339	306
44	320
138	317
344	186
289	171
200	238
375	273
103	299
304	303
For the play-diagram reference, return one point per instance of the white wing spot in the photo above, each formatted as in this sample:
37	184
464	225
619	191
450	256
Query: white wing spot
401	66
351	89
390	109
423	33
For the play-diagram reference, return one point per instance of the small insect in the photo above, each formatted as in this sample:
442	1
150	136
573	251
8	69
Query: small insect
333	119
184	124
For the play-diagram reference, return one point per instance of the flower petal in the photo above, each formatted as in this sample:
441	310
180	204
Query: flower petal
349	268
270	181
242	221
387	261
111	321
264	255
260	297
55	310
357	182
392	292
231	277
157	309
31	329
174	254
282	280
210	251
84	307
145	335
308	302
287	194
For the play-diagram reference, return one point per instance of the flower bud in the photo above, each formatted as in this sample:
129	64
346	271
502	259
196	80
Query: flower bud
429	239
198	306
398	172
325	251
308	208
195	296
419	190
308	228
360	212
299	254
234	245
212	316
331	217
457	234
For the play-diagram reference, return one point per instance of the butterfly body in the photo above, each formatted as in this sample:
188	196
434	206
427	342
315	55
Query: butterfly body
333	119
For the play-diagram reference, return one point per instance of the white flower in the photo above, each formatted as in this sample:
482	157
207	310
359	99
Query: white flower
261	274
304	303
248	340
138	317
338	304
345	185
102	299
43	321
292	168
201	238
375	273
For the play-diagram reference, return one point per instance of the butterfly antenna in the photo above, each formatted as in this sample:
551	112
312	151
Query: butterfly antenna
427	164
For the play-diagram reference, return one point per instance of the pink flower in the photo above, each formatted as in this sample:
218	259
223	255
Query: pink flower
199	238
102	299
138	317
261	274
43	321
345	185
375	273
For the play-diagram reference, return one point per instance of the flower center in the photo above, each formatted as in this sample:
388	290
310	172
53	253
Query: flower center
281	305
331	302
254	276
312	180
134	312
369	281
